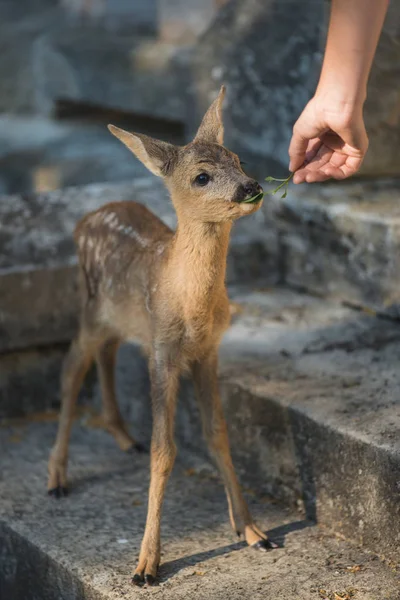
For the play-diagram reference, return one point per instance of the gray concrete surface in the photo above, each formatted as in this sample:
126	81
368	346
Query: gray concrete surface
341	239
337	240
84	547
250	46
310	392
38	302
92	60
269	55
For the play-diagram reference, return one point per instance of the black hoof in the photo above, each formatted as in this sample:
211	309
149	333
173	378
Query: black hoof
137	448
137	579
58	492
140	448
264	545
149	579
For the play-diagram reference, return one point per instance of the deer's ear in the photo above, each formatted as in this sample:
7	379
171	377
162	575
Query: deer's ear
212	128
159	157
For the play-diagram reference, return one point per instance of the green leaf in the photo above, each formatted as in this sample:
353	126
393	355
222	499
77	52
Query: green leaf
284	183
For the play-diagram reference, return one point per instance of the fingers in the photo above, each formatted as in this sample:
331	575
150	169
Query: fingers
313	170
328	164
347	169
326	143
313	147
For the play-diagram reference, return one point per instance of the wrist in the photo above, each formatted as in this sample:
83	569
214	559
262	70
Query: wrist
343	99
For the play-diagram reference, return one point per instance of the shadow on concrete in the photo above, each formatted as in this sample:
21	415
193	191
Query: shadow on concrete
277	535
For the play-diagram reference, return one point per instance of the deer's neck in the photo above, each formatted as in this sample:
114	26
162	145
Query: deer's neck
198	261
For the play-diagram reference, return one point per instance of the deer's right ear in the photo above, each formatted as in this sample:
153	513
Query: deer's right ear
159	157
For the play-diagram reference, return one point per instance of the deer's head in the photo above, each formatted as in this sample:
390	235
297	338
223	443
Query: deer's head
206	181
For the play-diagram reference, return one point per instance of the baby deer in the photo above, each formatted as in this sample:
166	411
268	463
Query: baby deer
166	289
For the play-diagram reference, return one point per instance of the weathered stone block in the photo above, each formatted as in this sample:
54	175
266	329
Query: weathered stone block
51	54
342	240
108	70
114	14
272	72
182	21
38	288
382	109
30	381
85	547
310	392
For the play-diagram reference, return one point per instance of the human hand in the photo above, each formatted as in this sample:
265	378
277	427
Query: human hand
329	140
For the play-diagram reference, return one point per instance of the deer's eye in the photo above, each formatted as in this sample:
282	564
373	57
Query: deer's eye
202	179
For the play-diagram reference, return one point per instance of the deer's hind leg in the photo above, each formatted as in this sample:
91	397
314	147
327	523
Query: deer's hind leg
106	358
76	364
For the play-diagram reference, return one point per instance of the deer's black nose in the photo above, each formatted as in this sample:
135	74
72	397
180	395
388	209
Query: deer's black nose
247	190
252	188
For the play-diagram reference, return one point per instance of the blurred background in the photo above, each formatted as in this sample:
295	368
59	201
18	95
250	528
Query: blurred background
309	369
68	67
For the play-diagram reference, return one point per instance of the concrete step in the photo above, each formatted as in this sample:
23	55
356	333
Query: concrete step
310	391
40	154
116	61
311	396
341	240
38	303
84	547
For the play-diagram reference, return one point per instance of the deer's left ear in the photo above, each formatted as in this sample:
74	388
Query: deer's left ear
212	128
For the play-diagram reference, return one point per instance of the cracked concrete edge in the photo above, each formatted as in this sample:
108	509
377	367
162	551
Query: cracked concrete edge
29	572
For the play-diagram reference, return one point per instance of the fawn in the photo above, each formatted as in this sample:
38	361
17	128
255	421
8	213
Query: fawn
140	280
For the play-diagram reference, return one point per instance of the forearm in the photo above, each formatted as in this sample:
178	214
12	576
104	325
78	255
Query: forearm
354	29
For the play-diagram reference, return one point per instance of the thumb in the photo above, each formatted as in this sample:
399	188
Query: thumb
304	130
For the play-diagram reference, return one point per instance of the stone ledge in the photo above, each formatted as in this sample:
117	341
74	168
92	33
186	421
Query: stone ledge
270	81
310	391
84	547
341	240
38	300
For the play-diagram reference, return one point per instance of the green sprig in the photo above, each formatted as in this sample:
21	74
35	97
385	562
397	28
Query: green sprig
284	183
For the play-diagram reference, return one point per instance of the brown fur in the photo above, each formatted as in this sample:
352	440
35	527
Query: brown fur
142	281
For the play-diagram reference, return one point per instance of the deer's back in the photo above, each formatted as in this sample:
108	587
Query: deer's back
120	246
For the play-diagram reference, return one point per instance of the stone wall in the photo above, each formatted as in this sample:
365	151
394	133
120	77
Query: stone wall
269	54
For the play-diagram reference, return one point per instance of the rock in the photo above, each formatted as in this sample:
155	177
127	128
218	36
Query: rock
85	547
310	394
107	70
38	283
272	72
340	240
98	62
182	21
382	109
115	15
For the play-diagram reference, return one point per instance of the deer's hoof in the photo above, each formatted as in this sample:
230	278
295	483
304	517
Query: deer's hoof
58	492
264	545
138	579
149	579
137	447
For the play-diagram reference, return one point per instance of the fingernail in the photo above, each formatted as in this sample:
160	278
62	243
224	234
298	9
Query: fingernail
291	166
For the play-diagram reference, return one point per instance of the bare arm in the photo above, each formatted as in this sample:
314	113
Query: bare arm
330	133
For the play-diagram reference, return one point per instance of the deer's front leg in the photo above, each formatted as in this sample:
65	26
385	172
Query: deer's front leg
215	432
164	386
